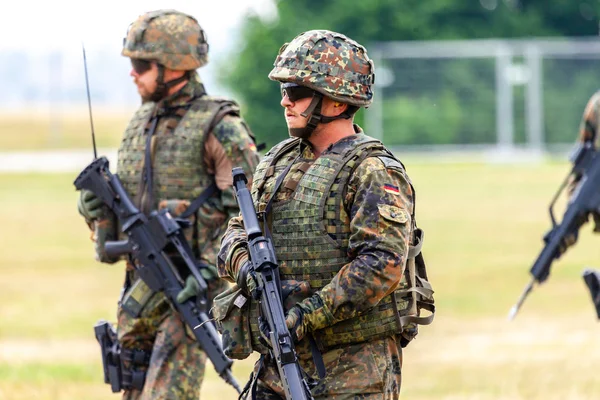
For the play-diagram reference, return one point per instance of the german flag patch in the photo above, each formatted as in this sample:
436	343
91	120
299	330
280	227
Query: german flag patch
391	189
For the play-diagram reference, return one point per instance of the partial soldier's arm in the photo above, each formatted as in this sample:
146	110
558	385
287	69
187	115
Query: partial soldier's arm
380	201
234	251
229	145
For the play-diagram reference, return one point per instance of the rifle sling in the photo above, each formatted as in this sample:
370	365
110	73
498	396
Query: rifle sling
198	201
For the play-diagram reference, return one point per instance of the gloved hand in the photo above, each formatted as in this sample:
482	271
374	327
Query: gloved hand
191	289
568	241
246	280
89	205
294	321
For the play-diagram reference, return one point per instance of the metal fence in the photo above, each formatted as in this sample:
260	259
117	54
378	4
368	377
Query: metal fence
509	96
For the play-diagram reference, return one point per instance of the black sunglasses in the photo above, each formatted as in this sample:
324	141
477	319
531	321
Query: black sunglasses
296	92
140	66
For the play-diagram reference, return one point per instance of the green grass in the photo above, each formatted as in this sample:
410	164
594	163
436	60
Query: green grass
483	227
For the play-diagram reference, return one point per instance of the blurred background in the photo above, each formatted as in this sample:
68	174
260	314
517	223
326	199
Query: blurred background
480	99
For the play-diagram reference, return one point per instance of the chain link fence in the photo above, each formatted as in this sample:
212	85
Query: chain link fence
506	96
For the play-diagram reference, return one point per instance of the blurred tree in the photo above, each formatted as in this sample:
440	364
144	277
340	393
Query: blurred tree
386	20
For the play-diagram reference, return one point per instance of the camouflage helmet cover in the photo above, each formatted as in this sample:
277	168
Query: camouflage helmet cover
169	37
327	62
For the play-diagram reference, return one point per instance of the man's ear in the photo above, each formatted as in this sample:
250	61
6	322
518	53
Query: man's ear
339	107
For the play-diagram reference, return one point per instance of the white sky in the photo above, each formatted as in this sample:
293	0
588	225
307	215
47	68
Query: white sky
38	25
39	28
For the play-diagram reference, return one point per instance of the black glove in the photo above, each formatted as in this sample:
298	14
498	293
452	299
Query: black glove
246	280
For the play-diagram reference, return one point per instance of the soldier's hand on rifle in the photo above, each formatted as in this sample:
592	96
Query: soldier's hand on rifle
295	323
246	279
571	238
568	241
89	205
191	289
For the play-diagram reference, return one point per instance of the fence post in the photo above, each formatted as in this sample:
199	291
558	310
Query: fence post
504	100
534	112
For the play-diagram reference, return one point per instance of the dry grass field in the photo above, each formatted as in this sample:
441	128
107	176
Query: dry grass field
483	227
61	129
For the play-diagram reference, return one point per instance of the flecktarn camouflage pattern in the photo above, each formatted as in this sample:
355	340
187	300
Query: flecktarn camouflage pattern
329	63
342	225
169	37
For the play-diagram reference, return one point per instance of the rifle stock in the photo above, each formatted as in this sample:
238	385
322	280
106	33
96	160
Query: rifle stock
265	266
151	241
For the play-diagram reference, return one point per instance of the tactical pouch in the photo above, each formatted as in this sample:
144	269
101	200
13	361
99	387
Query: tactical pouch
136	297
135	363
231	310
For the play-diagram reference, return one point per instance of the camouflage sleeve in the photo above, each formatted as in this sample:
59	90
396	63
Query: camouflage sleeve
240	149
105	229
589	122
233	252
380	201
236	148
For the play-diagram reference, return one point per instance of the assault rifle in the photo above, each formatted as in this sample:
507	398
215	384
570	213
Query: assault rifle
584	201
265	266
154	241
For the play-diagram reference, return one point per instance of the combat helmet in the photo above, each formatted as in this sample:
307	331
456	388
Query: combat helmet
169	37
328	62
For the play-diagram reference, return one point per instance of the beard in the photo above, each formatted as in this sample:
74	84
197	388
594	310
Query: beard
160	91
301	133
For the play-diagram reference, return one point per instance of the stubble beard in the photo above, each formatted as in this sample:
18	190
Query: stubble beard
299	133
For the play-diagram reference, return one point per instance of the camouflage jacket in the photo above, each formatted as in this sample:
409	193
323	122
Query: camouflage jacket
377	245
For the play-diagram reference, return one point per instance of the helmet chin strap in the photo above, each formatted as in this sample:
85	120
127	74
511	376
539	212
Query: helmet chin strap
162	87
314	111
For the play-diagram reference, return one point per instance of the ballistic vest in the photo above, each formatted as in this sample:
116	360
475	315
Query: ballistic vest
178	166
311	232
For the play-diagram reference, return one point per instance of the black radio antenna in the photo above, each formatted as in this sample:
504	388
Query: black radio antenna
87	87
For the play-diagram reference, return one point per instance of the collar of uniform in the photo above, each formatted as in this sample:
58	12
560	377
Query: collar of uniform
306	150
332	147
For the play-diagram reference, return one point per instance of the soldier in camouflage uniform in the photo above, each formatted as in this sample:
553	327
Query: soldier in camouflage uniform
588	134
340	211
179	143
